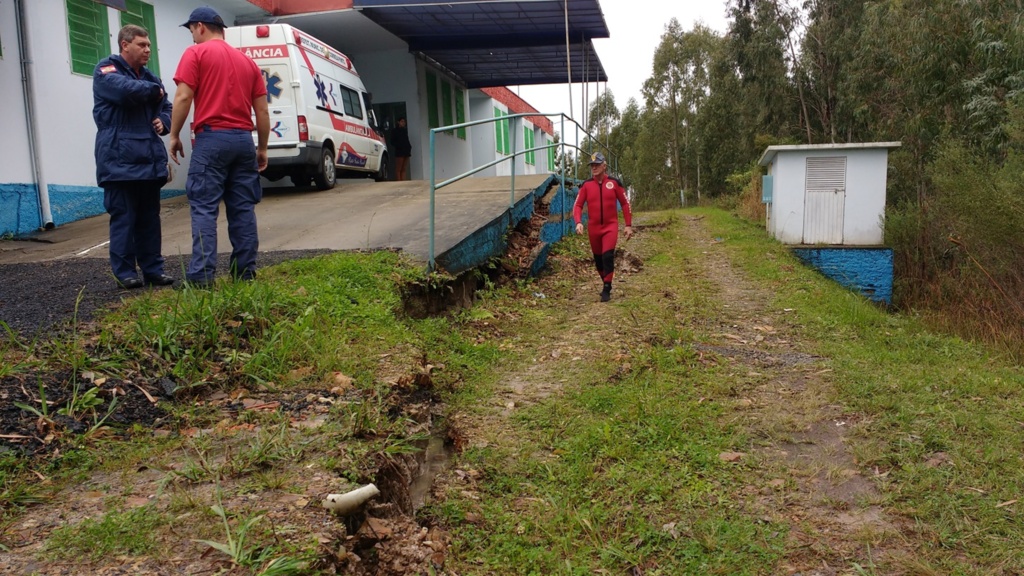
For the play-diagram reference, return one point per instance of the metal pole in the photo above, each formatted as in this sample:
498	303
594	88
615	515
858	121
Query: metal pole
561	176
576	164
568	56
433	183
512	193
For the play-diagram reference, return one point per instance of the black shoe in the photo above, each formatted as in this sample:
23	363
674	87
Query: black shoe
129	283
606	294
159	280
197	284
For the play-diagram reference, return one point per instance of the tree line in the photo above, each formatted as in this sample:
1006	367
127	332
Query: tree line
944	77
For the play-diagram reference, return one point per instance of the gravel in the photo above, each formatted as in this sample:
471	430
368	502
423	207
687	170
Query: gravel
39	299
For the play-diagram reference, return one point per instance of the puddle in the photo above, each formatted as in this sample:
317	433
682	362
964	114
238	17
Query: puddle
434	459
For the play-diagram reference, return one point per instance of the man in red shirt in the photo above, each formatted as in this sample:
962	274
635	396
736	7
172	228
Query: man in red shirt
226	87
601	194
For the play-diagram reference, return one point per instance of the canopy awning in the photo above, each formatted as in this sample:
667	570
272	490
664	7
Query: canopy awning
499	42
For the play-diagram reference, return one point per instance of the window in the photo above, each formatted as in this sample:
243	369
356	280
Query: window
446	104
141	14
460	112
432	120
88	34
531	157
501	128
351	100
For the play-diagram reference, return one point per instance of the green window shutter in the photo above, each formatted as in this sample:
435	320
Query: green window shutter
460	112
88	35
498	127
141	14
551	156
432	120
505	132
528	143
446	103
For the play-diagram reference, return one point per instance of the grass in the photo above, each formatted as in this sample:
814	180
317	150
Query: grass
922	393
620	471
128	533
614	469
292	333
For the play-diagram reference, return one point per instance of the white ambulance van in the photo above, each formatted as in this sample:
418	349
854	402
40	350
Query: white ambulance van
321	120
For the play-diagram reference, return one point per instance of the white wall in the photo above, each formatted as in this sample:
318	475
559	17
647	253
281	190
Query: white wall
66	131
787	218
866	175
453	154
389	77
482	139
865	195
15	161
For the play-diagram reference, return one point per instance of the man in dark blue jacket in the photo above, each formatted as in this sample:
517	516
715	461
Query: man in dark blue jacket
132	111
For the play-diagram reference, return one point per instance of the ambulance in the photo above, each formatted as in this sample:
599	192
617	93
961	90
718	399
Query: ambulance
321	120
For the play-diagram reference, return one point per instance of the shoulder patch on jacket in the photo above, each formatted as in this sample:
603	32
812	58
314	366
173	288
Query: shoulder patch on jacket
108	69
616	180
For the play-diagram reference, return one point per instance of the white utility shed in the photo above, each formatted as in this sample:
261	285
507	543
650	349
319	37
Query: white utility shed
830	194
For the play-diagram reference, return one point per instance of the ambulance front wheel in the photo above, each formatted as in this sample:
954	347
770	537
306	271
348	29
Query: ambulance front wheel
326	176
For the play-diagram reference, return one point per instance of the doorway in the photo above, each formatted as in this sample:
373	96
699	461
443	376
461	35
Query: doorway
388	114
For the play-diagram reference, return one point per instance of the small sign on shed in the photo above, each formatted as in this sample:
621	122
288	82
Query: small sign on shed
827	201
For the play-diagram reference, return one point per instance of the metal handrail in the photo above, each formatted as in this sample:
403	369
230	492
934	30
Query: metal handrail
434	185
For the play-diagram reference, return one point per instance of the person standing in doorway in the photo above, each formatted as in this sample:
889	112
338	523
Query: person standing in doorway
601	194
226	87
403	149
131	112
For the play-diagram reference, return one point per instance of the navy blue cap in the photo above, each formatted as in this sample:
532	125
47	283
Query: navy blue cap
206	15
596	158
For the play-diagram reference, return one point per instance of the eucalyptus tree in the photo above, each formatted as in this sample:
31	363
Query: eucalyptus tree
758	41
676	90
827	49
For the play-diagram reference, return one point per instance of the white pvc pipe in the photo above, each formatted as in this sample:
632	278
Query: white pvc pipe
45	216
350	501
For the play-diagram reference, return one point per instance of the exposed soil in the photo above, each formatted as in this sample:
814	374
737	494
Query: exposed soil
805	475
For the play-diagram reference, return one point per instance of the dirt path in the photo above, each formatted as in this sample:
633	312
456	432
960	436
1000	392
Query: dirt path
806	476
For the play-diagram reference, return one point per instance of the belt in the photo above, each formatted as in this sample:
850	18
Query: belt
208	128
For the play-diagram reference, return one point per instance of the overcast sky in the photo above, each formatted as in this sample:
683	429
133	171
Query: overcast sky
636	28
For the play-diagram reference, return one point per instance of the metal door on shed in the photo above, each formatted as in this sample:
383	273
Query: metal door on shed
824	200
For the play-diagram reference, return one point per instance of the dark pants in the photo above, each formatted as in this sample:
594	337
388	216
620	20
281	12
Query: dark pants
134	209
223	167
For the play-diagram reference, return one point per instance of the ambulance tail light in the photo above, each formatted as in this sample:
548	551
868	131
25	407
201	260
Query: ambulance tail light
263	31
303	129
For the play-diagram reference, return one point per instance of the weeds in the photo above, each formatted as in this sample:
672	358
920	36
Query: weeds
244	554
237	548
117	533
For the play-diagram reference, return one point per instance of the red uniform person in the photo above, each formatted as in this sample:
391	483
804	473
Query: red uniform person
602	194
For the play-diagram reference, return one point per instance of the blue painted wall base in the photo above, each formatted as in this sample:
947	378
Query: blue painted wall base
864	270
19	205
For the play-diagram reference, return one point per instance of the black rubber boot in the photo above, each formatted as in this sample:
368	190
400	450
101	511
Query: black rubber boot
606	294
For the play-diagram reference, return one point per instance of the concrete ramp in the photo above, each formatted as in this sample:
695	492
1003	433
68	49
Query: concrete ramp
472	216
